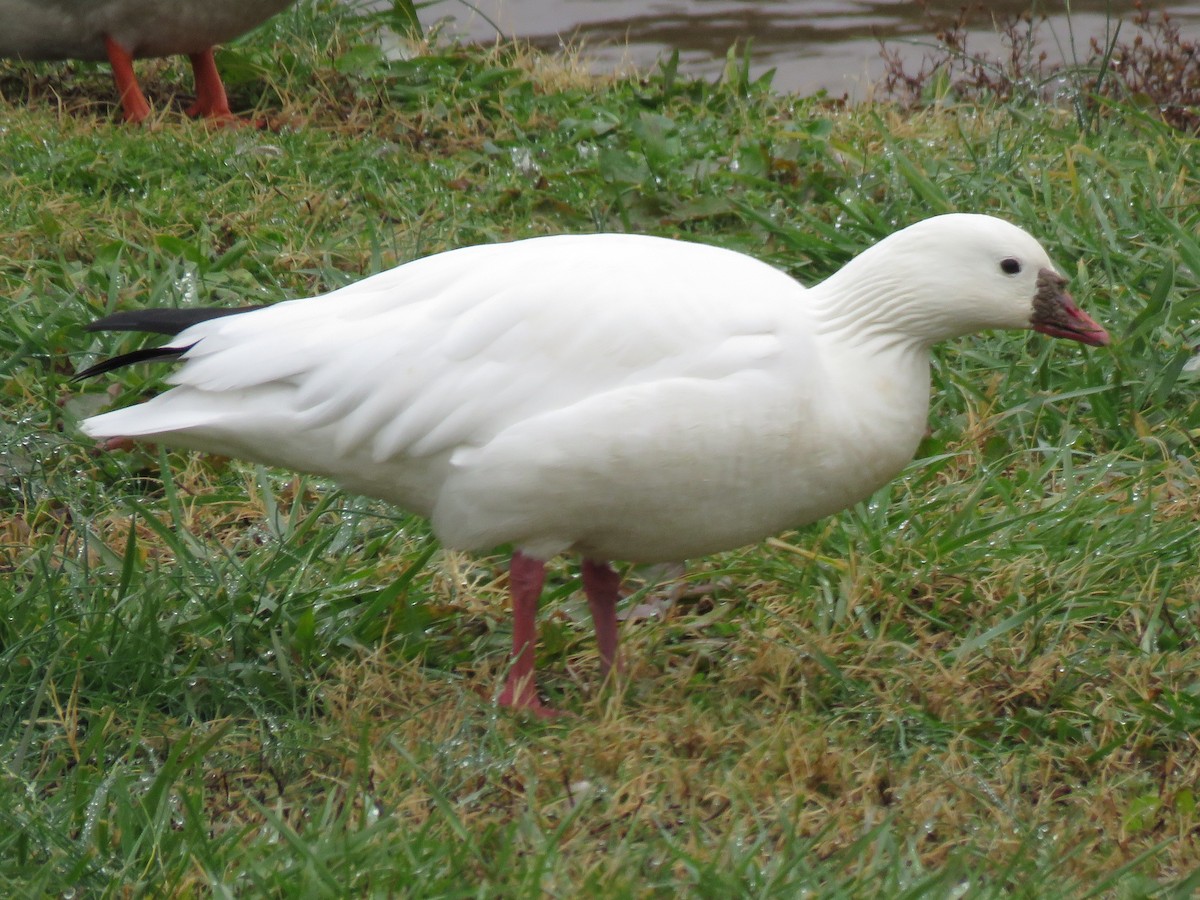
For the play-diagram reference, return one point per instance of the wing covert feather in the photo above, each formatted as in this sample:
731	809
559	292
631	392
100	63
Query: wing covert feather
433	355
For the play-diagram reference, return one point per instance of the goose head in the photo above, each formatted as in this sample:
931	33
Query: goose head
955	274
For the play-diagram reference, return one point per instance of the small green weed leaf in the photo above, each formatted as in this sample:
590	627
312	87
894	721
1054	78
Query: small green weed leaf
703	208
360	60
667	74
401	17
1185	802
619	168
583	129
658	139
181	248
1142	813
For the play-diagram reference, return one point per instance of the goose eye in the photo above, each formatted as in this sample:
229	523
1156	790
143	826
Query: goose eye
1010	266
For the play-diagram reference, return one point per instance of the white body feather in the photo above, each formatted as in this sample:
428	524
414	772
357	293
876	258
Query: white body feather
625	397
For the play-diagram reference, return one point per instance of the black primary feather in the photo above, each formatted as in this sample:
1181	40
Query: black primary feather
163	321
146	354
154	321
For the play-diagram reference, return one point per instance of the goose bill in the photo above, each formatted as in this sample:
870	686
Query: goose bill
1055	313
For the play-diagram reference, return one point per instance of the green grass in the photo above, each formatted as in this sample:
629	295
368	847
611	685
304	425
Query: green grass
219	679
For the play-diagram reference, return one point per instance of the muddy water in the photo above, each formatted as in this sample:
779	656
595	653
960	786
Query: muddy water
811	44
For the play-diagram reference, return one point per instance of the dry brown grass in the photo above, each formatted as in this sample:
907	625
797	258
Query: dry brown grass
1157	69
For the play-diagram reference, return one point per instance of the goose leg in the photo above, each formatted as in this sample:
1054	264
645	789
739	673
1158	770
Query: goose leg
603	589
211	101
133	101
525	579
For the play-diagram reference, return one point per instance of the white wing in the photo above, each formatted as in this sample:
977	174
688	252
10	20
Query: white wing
396	383
450	349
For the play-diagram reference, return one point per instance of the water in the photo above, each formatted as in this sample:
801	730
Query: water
832	44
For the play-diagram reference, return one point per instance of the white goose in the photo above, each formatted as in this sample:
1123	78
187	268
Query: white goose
615	396
123	30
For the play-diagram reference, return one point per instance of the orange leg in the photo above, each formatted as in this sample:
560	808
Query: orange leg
525	579
211	101
133	102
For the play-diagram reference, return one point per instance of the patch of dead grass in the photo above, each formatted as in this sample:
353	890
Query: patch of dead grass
676	766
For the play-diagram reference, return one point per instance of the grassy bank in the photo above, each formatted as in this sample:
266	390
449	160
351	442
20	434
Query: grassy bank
216	678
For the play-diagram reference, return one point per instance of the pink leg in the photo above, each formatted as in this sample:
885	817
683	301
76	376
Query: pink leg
603	588
133	101
525	579
211	101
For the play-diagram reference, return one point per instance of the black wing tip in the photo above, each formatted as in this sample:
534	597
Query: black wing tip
154	321
163	321
146	354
